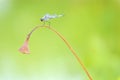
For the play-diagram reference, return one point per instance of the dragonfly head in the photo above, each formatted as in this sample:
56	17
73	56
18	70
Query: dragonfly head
41	19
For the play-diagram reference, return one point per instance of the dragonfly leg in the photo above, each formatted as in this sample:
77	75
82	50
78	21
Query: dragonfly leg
49	24
43	24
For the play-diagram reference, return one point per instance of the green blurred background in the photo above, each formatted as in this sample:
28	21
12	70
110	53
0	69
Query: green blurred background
91	26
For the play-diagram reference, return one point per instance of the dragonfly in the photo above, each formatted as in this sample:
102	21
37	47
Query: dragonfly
48	17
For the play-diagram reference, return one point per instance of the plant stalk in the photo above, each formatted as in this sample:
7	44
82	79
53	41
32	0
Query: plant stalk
66	42
72	50
28	36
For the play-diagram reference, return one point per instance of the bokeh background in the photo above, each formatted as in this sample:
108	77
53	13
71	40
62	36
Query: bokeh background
92	27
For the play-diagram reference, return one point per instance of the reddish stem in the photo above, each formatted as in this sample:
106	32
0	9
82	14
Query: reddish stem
69	46
28	36
72	50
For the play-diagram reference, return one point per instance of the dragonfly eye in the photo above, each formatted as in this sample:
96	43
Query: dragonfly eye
41	19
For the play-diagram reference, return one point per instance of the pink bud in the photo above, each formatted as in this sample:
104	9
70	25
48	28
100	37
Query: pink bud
24	49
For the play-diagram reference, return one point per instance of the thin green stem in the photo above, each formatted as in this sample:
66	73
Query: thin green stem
72	50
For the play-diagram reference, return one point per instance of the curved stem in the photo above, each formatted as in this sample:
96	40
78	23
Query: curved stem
72	50
69	46
28	36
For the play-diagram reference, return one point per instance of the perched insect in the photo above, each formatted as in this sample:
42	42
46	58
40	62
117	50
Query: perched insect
48	17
